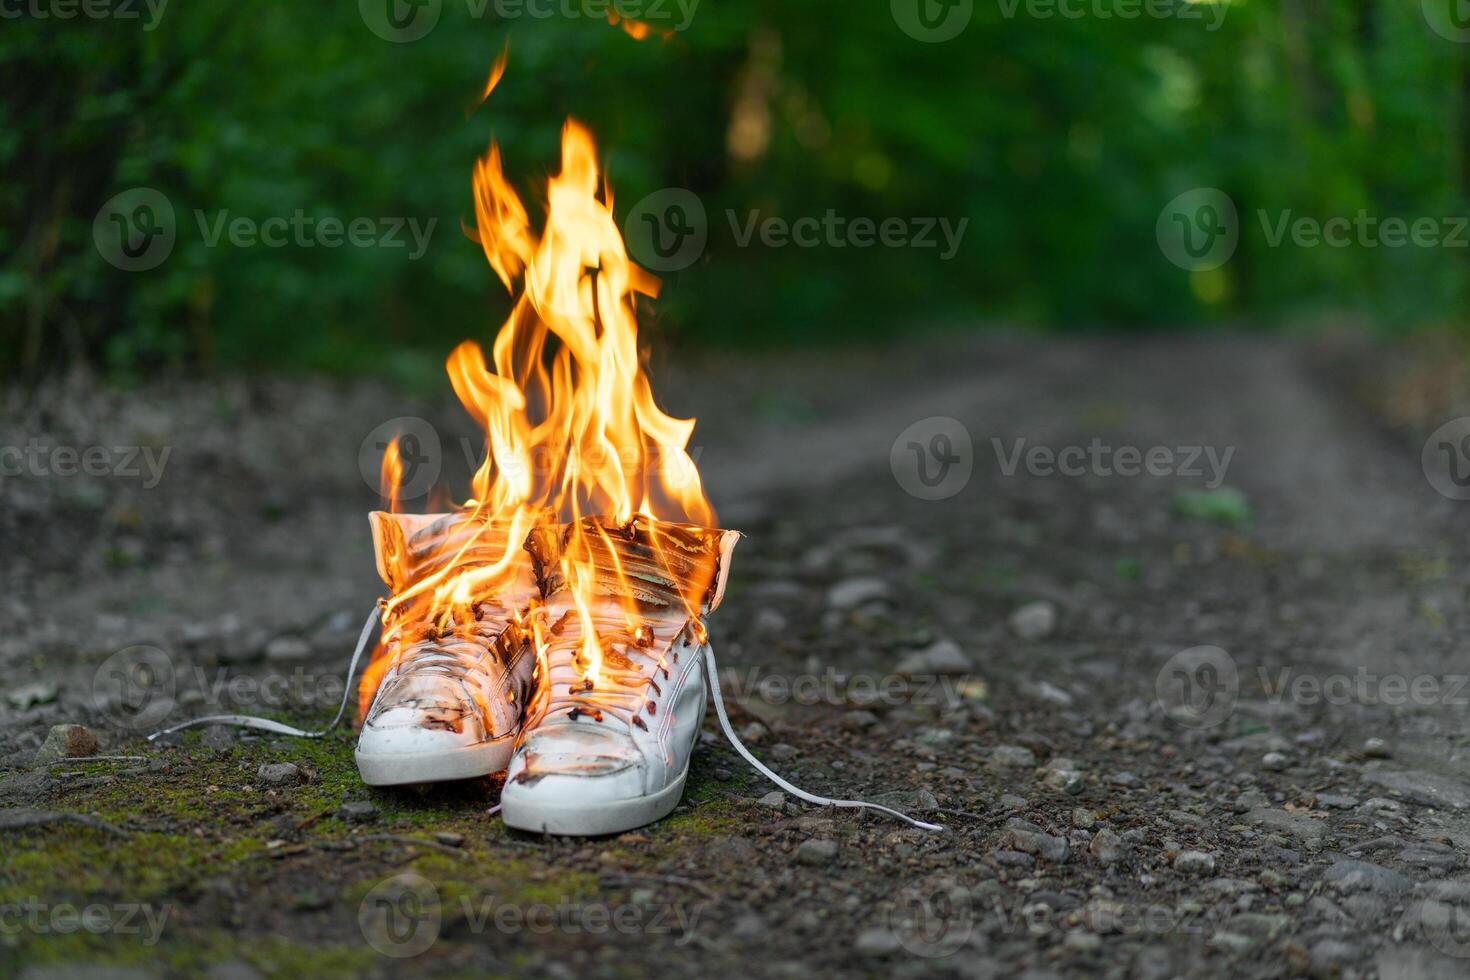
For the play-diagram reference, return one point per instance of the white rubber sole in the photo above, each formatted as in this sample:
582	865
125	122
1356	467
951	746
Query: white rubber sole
405	768
591	819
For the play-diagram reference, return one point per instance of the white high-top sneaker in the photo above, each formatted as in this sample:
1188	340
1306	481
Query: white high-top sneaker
449	703
604	757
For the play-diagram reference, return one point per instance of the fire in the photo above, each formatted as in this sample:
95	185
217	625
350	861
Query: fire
573	435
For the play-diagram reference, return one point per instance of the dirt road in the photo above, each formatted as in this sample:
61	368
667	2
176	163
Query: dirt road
1169	632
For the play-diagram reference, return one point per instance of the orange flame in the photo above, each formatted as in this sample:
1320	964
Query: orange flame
571	426
392	474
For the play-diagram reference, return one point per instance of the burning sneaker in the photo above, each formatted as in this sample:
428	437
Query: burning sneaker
622	651
446	696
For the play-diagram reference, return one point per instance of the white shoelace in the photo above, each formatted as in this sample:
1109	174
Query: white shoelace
714	686
711	668
266	724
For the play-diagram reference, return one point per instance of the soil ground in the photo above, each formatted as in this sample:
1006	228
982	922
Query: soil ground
1020	661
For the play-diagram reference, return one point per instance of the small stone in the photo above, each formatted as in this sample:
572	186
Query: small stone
1332	801
287	648
1233	943
1081	941
876	942
28	695
1011	803
1286	822
1427	788
357	811
66	742
1275	762
1327	957
1376	748
1035	620
1353	876
449	838
1107	848
782	752
1021	835
854	592
1194	863
278	774
817	852
1012	859
1083	818
776	800
753	732
1012	756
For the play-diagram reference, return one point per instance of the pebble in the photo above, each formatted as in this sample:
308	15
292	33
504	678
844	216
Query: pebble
1083	818
1035	620
356	811
449	838
1327	957
817	852
776	800
1194	863
1352	876
876	942
944	656
1275	762
1013	756
1108	848
1427	788
66	742
1284	821
1332	801
278	774
783	752
287	648
851	593
1021	835
1376	748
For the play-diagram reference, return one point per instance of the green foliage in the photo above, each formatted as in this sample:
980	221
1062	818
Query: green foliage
1059	138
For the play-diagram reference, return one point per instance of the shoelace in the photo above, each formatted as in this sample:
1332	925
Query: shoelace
267	724
620	693
714	686
711	668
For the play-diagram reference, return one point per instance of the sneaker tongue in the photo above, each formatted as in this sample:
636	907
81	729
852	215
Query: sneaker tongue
409	547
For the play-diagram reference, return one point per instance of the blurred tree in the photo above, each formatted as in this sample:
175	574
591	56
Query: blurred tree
1057	132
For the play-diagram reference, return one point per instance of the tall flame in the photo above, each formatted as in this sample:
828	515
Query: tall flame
571	426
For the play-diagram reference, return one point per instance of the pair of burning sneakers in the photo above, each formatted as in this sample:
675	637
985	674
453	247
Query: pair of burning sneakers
580	758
